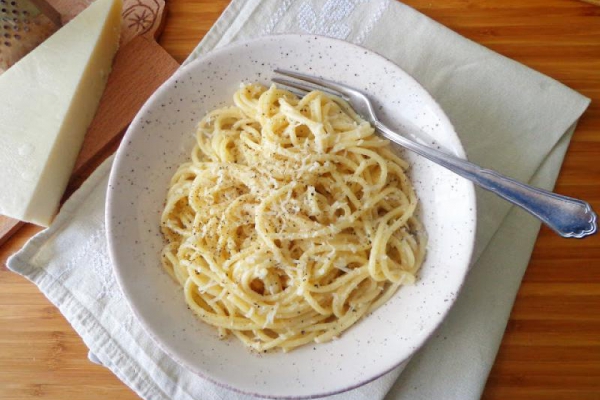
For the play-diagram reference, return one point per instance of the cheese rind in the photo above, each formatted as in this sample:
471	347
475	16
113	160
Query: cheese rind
47	101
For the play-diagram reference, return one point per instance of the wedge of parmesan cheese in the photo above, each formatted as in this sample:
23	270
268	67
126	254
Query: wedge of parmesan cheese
47	101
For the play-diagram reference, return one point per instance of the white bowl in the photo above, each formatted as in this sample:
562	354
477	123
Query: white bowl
161	137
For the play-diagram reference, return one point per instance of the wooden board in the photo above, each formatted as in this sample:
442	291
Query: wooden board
551	349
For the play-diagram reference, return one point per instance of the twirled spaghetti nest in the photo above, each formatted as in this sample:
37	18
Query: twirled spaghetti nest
292	220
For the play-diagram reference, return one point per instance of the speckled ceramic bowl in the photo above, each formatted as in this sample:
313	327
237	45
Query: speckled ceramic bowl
161	137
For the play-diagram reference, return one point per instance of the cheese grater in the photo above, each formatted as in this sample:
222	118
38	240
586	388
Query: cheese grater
23	25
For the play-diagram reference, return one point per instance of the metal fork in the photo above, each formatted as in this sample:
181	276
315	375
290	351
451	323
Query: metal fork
567	216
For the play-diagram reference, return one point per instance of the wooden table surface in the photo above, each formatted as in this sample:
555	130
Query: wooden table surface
551	348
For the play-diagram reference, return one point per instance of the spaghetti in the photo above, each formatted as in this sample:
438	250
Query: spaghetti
291	221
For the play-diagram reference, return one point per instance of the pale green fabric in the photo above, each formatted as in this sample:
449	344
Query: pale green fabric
509	118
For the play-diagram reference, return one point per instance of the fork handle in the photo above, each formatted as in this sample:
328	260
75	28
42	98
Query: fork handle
567	216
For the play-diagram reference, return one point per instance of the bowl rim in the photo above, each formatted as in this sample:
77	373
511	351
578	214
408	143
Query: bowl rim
119	158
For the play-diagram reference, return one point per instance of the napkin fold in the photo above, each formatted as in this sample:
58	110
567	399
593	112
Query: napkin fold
509	118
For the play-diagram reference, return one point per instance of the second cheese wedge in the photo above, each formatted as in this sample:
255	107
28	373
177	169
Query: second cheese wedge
47	101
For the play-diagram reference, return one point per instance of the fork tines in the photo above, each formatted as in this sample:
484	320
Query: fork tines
307	83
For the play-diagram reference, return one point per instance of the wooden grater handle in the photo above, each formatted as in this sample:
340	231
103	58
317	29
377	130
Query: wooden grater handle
49	11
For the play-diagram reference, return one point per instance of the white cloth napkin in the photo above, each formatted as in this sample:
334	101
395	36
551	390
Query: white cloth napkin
509	118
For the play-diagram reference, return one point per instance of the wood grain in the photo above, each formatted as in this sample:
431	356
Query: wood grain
594	2
49	11
551	348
